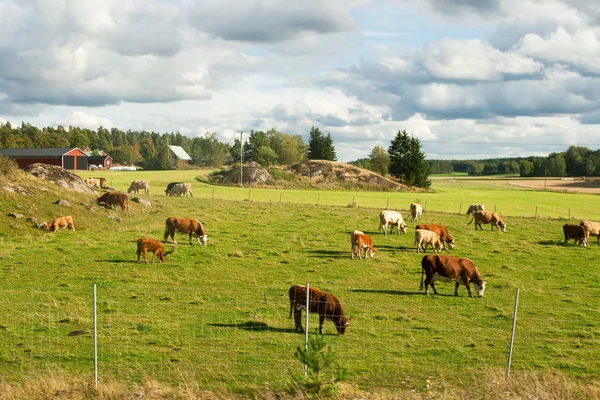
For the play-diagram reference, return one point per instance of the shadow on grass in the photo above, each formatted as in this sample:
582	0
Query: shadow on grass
399	292
330	253
255	327
122	261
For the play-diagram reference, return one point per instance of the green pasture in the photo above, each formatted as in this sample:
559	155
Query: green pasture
217	315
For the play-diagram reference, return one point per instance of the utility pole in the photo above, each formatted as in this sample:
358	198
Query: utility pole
545	174
241	158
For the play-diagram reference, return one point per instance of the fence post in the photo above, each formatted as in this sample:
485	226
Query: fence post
306	329
512	336
95	328
460	208
569	214
280	194
213	193
425	209
318	198
353	203
494	208
536	214
248	194
387	205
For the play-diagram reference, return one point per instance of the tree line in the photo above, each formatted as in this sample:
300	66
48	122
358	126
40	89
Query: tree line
576	161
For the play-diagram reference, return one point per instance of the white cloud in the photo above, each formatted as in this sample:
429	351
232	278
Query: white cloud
85	120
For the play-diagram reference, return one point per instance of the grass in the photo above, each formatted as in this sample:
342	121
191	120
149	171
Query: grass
217	316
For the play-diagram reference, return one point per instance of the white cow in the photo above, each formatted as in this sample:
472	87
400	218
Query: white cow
180	189
391	218
423	236
139	185
475	207
590	229
415	211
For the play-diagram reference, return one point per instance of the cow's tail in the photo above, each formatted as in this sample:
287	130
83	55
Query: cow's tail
422	273
472	220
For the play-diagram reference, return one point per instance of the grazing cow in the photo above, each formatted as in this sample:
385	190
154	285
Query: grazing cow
170	186
158	250
191	226
391	218
475	207
325	304
137	185
111	199
448	269
428	238
415	211
92	182
486	217
591	228
360	241
181	189
442	232
60	222
576	232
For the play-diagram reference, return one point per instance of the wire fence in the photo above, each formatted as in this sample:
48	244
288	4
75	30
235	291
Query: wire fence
247	336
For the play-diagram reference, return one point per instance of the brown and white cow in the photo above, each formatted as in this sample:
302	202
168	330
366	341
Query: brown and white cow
415	211
451	269
475	207
60	222
425	237
388	218
591	229
92	182
102	181
111	199
181	189
359	242
572	231
136	186
156	247
191	226
441	231
325	304
486	217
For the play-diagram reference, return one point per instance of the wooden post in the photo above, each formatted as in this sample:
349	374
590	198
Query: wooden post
536	214
494	208
425	209
387	205
248	194
569	214
460	208
213	193
280	194
353	203
318	198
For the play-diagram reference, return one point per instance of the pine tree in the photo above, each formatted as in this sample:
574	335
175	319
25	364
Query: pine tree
407	161
320	147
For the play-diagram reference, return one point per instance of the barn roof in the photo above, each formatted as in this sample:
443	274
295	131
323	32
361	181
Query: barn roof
37	152
99	158
180	153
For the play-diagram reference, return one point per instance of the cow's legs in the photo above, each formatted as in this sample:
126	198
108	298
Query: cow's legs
468	286
456	284
298	318
433	287
321	320
153	255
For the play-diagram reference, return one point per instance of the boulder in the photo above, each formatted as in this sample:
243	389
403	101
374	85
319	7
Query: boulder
59	176
63	203
142	202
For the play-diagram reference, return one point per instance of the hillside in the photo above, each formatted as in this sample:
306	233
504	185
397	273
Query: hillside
314	174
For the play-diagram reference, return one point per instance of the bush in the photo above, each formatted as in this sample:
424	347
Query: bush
7	167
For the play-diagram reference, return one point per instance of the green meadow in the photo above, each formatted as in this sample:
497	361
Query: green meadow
216	316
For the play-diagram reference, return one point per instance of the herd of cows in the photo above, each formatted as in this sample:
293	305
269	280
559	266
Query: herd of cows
434	267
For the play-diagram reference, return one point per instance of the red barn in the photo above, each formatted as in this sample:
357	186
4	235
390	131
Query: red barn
68	158
100	162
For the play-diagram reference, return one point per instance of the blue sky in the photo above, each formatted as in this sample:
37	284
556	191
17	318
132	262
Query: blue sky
469	78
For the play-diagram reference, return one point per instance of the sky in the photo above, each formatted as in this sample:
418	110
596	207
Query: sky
470	79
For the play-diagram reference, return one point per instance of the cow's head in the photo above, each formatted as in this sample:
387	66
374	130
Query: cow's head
583	242
372	251
403	227
479	288
202	239
450	243
341	324
161	256
503	226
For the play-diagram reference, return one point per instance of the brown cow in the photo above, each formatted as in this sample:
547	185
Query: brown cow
325	304
145	244
60	222
591	228
191	226
572	231
447	269
111	199
487	217
442	232
360	241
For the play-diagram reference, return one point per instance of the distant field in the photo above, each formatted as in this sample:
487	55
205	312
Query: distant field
217	316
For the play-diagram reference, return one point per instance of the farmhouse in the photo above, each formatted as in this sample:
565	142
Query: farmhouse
179	153
68	157
104	161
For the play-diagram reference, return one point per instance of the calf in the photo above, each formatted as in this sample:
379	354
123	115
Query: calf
60	222
388	218
325	304
360	241
158	250
110	199
442	232
423	236
591	229
486	217
415	211
576	232
448	269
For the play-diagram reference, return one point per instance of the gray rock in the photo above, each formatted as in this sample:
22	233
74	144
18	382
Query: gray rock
63	203
116	219
145	203
59	176
16	215
32	219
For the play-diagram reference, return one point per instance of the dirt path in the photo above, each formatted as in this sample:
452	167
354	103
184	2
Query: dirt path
577	185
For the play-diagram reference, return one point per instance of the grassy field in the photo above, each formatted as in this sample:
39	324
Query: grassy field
217	316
